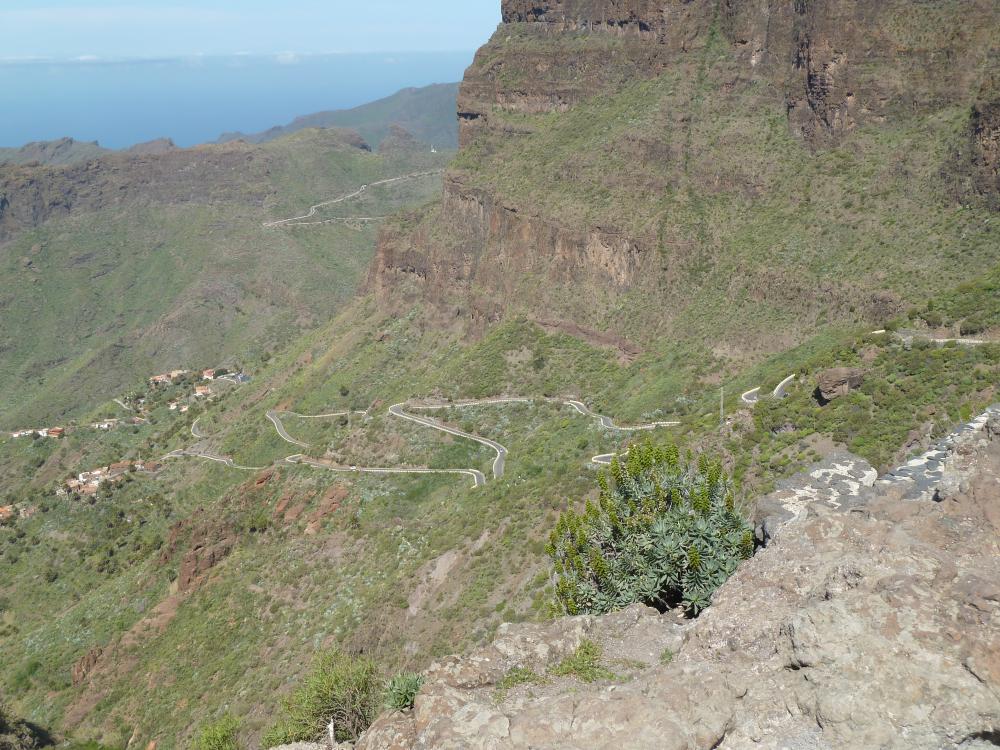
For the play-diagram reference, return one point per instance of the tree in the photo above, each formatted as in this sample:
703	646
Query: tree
663	532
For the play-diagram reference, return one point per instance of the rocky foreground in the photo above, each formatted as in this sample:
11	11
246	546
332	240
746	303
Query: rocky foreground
869	620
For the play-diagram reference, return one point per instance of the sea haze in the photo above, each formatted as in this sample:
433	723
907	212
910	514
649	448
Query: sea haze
194	100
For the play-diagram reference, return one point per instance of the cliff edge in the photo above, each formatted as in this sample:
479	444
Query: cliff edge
869	620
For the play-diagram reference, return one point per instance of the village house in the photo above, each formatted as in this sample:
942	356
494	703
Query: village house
87	482
7	513
202	391
208	374
106	425
167	377
119	469
22	433
88	477
56	432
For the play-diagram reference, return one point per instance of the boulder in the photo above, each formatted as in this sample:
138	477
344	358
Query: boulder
836	382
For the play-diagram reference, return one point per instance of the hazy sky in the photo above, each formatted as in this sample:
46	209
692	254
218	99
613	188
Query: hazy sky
151	28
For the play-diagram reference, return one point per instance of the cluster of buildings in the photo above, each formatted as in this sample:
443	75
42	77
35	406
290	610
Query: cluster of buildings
88	482
168	377
52	432
58	432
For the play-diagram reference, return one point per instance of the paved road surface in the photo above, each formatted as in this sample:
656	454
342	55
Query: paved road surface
276	421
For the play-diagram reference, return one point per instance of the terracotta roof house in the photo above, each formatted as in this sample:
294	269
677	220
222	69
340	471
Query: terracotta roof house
117	469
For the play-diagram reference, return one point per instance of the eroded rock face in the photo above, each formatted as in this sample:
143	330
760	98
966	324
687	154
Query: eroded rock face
985	129
824	68
838	381
85	664
869	621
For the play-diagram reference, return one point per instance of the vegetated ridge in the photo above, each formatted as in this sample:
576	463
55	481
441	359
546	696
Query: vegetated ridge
428	113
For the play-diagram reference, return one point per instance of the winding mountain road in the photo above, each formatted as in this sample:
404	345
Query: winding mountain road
479	480
498	463
301	220
197	453
400	411
282	433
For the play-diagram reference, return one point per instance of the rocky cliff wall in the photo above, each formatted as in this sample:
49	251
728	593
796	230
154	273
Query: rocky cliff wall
837	62
824	70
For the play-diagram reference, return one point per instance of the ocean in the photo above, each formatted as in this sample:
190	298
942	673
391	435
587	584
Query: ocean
194	100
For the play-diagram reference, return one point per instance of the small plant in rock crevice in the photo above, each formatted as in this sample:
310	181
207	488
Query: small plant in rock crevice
662	532
584	664
402	691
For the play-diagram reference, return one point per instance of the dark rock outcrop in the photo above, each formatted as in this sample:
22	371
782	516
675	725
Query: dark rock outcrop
838	381
985	136
200	175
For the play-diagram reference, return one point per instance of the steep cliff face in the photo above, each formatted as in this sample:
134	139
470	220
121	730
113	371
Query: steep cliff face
630	165
985	130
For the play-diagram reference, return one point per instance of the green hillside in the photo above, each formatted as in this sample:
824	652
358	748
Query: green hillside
427	113
647	252
97	299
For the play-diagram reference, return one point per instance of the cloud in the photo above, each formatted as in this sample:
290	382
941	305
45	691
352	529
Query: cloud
287	58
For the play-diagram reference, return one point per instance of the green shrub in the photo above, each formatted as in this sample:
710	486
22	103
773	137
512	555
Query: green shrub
514	677
402	691
584	664
219	735
661	533
973	325
341	689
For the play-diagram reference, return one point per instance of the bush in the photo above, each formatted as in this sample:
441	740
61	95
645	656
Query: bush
343	690
219	735
973	325
402	690
661	533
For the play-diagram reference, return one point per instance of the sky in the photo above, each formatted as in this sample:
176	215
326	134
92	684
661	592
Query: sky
115	29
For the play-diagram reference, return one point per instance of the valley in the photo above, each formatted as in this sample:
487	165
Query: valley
709	260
